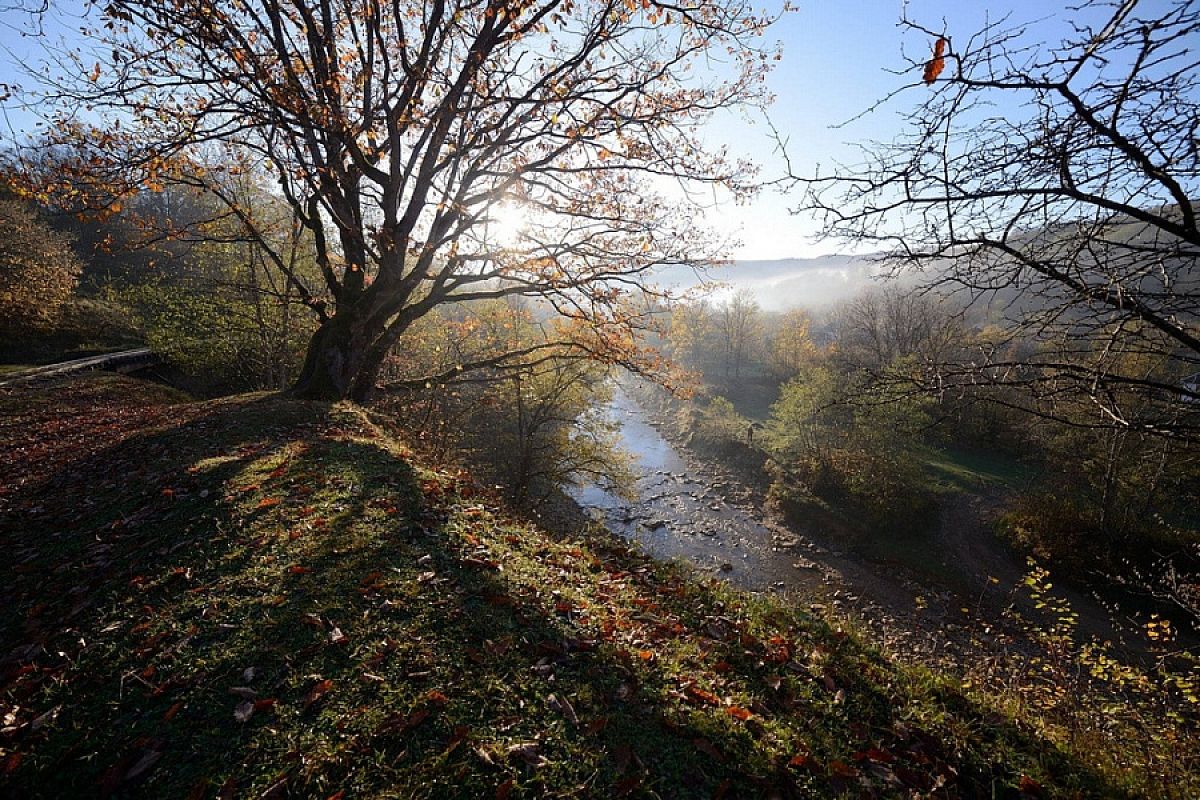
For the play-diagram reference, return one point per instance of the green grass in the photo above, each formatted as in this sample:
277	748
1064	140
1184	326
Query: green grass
384	629
751	395
961	470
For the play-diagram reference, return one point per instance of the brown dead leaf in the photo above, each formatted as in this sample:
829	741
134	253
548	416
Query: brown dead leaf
1029	786
317	692
526	752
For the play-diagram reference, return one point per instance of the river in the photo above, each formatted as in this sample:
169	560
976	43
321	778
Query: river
683	510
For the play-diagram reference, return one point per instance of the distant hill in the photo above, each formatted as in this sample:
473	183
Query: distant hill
786	282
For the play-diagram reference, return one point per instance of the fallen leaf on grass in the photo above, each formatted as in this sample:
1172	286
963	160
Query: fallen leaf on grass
459	735
874	754
296	569
527	752
563	706
143	765
804	761
42	720
172	711
1030	787
268	502
244	711
701	697
317	692
737	712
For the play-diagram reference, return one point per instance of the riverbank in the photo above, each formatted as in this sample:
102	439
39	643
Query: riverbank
958	595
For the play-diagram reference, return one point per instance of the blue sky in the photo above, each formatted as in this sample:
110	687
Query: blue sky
836	62
835	65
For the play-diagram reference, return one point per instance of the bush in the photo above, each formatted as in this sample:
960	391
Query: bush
842	446
38	270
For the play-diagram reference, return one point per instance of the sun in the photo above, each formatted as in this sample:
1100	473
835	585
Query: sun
506	224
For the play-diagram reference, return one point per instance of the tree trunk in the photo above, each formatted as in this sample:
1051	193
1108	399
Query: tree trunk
337	355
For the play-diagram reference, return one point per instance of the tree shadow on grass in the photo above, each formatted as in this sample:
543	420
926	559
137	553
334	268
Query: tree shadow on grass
297	610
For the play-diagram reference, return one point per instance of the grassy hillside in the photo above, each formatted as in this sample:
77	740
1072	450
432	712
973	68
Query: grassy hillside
257	597
87	327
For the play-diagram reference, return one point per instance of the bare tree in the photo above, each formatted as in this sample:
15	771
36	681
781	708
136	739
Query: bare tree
882	325
400	132
1055	187
739	321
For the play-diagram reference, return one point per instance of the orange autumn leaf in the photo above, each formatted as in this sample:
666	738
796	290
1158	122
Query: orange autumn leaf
737	712
296	569
803	761
172	711
267	502
700	696
935	65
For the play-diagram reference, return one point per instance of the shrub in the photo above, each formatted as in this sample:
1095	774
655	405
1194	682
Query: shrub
38	270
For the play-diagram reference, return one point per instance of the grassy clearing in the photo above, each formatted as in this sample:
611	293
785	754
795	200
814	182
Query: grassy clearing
257	597
959	470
